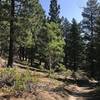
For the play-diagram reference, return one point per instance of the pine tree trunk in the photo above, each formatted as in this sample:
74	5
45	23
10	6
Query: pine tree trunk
92	49
32	59
10	58
50	65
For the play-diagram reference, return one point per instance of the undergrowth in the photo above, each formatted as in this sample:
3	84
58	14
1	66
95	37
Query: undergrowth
14	81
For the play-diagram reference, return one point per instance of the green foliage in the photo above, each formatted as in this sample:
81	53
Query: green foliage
51	73
47	42
7	77
50	44
68	73
54	50
61	68
13	81
90	14
66	25
29	18
97	49
73	47
22	80
54	11
29	23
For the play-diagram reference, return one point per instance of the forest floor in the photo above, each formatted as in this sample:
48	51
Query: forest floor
55	89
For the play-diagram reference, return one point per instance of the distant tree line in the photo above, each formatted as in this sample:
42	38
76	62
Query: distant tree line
27	34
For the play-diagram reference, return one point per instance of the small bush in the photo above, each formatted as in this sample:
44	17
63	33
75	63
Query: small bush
7	77
51	73
67	73
62	68
13	81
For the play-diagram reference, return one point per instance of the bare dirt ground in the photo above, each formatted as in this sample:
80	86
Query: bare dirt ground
53	89
56	94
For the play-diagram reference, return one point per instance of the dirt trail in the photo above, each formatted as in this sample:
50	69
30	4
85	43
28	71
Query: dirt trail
54	89
75	98
82	93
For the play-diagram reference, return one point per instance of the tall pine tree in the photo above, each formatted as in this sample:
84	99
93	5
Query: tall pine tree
90	14
54	11
24	20
11	43
97	49
4	26
66	25
74	46
55	44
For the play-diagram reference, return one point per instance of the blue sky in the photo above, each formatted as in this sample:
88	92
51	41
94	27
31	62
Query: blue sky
69	8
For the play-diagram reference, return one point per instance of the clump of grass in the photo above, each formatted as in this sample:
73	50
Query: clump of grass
61	68
59	71
13	81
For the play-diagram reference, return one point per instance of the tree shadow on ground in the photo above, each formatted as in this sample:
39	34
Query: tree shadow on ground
89	91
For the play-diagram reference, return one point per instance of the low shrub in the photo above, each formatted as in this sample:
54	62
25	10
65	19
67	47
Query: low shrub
62	68
14	81
7	77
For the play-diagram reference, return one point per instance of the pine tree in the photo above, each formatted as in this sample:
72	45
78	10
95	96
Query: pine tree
4	27
55	44
90	14
11	45
54	11
32	19
66	25
25	19
97	48
74	46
